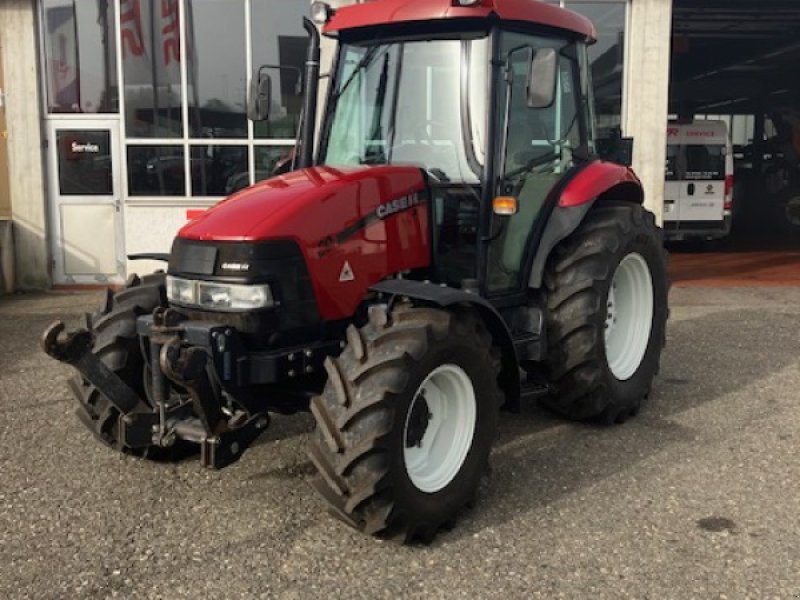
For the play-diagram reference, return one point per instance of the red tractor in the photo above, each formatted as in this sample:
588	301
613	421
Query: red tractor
456	245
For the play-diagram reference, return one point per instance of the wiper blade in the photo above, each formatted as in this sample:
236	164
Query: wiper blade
368	57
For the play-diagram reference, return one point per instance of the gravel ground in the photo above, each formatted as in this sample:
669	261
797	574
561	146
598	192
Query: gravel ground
696	498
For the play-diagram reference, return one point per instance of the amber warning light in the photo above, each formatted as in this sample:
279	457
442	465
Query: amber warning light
505	206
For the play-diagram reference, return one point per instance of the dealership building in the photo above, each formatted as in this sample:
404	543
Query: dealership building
123	118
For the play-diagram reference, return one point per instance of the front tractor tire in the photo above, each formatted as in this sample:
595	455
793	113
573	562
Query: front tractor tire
606	290
116	344
406	421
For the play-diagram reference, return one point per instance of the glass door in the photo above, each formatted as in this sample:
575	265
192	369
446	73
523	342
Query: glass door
85	206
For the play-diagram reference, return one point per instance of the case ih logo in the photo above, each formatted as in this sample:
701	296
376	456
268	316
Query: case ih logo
384	211
238	267
396	206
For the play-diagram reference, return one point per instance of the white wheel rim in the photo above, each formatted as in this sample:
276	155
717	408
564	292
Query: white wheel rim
448	397
629	318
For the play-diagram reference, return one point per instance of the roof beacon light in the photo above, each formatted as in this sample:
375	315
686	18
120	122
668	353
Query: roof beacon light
321	13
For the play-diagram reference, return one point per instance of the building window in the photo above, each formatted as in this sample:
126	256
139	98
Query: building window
156	171
80	56
269	158
216	68
279	39
606	57
218	170
151	65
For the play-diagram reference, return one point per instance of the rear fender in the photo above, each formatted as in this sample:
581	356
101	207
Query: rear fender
597	182
445	297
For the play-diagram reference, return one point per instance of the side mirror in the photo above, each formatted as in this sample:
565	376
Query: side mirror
259	99
542	78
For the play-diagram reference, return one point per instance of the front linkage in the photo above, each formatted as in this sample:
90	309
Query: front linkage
199	367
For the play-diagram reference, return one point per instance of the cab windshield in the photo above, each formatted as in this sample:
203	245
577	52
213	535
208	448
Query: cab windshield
416	102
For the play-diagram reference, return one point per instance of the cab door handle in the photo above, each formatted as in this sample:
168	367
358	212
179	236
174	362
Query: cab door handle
690	190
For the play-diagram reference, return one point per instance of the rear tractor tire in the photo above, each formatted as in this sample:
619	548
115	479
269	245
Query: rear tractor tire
406	421
607	288
117	345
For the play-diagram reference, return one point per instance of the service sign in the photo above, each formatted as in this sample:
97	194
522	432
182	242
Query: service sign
698	134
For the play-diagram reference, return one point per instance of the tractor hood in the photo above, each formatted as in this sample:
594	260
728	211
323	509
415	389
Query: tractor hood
353	226
305	205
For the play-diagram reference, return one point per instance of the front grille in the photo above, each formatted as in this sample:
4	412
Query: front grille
280	263
263	259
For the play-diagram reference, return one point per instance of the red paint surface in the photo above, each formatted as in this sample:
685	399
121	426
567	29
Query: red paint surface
310	205
194	213
595	179
381	12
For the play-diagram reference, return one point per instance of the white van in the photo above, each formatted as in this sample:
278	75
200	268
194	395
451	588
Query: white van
698	195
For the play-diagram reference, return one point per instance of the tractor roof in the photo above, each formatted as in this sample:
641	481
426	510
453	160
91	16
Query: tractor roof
384	12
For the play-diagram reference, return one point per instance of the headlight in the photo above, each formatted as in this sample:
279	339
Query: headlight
234	297
218	296
181	291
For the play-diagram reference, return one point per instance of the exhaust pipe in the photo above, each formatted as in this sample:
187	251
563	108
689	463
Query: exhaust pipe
311	92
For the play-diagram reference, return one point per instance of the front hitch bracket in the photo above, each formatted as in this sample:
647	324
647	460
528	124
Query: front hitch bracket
76	349
188	367
221	450
221	442
222	436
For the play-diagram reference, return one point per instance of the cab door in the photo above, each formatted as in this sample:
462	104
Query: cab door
538	149
85	208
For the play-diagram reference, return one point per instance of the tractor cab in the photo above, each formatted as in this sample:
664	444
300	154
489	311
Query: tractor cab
495	111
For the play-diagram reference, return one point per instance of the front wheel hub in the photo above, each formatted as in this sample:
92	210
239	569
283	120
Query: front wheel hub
418	420
439	428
